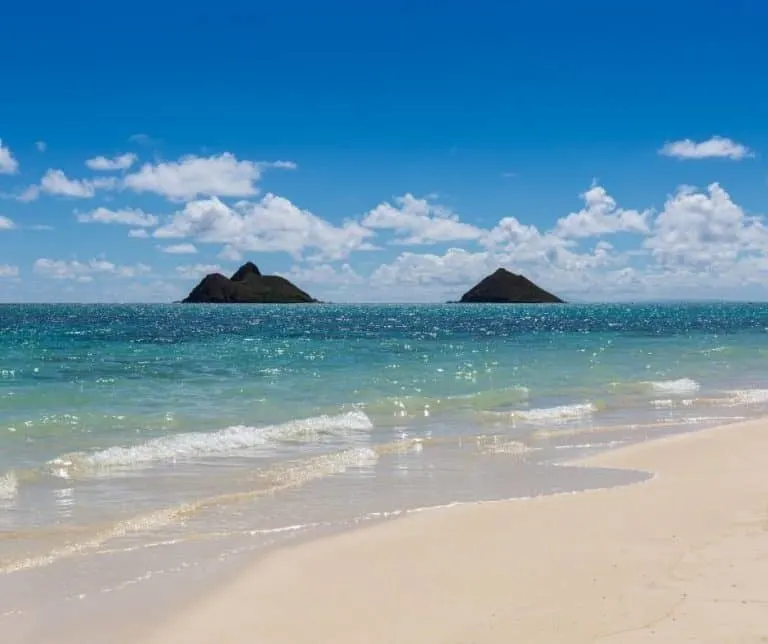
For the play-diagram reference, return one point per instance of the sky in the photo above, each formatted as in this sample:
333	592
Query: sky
392	152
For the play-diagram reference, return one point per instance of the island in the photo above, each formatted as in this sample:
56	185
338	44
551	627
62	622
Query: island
506	287
247	286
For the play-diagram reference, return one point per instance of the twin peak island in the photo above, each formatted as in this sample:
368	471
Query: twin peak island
249	286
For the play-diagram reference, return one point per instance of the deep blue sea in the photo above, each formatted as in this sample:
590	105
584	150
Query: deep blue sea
128	429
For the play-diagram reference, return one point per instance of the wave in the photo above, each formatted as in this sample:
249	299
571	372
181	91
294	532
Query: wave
668	403
732	398
680	386
499	445
748	396
224	442
8	486
280	477
562	413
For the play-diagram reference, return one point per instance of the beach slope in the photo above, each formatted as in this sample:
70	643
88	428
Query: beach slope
682	557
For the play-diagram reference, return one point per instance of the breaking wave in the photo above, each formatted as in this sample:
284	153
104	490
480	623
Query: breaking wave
748	396
562	413
8	486
680	386
224	442
499	445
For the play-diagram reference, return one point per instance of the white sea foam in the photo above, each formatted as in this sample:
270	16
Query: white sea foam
224	442
8	486
563	413
678	387
499	445
748	397
669	403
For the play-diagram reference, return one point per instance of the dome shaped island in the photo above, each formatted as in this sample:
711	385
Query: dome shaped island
505	287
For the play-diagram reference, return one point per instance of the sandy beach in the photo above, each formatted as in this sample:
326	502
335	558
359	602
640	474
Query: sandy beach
682	557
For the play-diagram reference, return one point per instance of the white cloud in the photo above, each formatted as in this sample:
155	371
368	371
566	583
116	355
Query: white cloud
55	182
133	271
324	274
120	162
284	165
127	217
705	228
179	249
717	147
601	216
456	266
417	221
198	271
85	271
6	223
6	270
230	253
273	224
29	194
8	165
192	176
526	242
41	146
138	233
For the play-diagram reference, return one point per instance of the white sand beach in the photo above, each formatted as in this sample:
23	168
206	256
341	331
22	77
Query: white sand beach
682	557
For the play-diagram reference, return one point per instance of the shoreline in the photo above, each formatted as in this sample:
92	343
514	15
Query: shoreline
575	567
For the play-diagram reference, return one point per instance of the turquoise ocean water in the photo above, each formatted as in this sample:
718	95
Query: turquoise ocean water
136	429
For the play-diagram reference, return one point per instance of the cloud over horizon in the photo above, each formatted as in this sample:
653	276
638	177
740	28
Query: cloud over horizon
406	247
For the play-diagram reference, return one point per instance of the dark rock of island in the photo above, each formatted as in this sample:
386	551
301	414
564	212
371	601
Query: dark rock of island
509	288
246	286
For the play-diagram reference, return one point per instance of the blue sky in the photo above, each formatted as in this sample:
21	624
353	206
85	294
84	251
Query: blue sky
611	151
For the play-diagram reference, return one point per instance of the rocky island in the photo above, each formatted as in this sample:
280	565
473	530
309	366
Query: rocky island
504	286
247	286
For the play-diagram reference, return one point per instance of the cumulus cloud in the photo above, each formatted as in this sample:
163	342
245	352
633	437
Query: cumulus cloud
6	270
8	164
55	182
601	216
324	274
198	271
6	223
455	266
29	194
417	221
86	271
179	249
120	162
41	146
126	216
717	147
273	224
193	176
704	228
231	253
526	242
138	233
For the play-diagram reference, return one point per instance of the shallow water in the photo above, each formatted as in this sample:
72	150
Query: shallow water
137	438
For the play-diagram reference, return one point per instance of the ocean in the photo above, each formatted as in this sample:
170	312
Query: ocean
162	445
